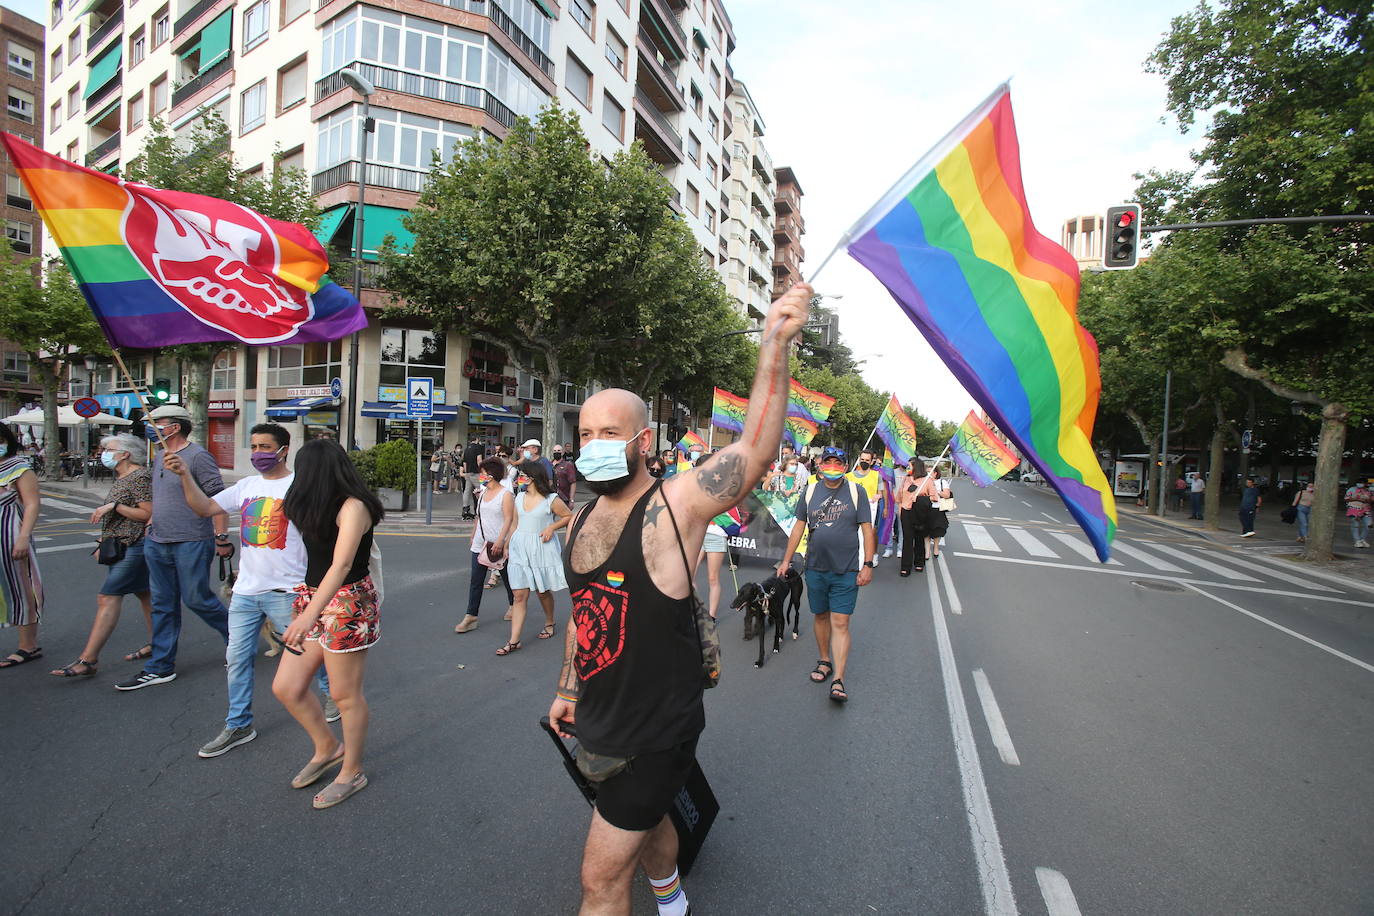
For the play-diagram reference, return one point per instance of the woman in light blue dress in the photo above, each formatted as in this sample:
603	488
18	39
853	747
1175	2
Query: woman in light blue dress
536	555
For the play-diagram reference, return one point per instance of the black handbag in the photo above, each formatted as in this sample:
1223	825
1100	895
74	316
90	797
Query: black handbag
1289	515
109	551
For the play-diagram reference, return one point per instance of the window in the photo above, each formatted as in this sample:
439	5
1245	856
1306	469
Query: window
73	102
72	151
291	10
583	13
291	86
711	171
138	47
16	195
157	93
715	81
406	351
697	101
714	122
303	364
696	54
20	235
693	148
16	366
224	371
21	105
489	365
136	110
613	116
74	45
616	51
693	199
710	217
531	388
253	107
255	25
578	79
250	370
294	159
21	60
55	64
402	139
162	27
56	11
54	116
717	33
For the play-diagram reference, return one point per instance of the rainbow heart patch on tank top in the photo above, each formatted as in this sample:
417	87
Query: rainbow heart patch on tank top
615	579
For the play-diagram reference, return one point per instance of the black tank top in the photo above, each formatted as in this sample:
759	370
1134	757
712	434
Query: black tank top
319	556
637	653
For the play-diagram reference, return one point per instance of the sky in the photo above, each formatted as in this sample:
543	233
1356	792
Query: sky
850	100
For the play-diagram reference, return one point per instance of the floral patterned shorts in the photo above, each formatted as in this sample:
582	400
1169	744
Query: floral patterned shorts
349	622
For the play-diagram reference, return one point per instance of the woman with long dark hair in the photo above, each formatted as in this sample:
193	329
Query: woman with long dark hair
495	522
336	613
20	584
536	555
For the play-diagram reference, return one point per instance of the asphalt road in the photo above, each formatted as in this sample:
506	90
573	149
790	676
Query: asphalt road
1187	730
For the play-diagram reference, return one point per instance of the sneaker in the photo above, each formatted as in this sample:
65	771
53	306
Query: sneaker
331	710
875	562
1248	534
887	554
145	679
227	740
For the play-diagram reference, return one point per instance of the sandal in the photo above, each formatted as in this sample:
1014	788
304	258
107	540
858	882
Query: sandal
821	671
508	648
312	772
837	691
20	657
336	792
548	631
70	670
139	655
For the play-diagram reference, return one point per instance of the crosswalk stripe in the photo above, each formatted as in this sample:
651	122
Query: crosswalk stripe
1204	564
1148	559
980	539
1278	574
50	503
1029	543
1079	547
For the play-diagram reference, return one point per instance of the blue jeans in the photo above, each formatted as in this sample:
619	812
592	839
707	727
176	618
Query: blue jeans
832	592
180	573
477	581
1247	521
1359	529
246	613
1304	519
1196	504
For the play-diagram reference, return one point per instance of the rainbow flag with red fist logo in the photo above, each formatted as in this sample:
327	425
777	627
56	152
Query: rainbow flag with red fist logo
160	268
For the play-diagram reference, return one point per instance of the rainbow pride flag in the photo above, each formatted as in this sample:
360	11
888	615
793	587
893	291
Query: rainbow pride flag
164	267
691	441
798	432
887	503
897	431
980	452
954	243
728	410
807	404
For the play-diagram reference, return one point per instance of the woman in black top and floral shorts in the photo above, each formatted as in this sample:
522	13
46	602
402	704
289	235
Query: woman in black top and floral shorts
336	613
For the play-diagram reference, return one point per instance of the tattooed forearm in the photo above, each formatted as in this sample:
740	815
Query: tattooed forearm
568	684
722	478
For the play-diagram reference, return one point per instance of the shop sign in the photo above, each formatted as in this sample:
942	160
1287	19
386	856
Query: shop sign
321	418
223	405
310	391
397	394
470	370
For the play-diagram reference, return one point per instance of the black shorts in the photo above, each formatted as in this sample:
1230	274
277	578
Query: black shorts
637	798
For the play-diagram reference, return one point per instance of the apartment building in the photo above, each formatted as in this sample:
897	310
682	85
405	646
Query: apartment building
440	72
1082	237
745	245
788	228
23	80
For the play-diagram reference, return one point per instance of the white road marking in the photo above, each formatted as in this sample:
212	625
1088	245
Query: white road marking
1274	573
1205	564
1027	502
41	537
955	604
1059	898
1081	548
1283	629
1029	543
89	546
1148	559
1051	518
997	726
998	899
999	518
980	539
50	503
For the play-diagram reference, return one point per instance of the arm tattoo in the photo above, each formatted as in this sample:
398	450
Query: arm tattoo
653	511
723	478
567	678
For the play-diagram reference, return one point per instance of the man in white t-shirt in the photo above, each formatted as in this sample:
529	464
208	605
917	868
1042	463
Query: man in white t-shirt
271	566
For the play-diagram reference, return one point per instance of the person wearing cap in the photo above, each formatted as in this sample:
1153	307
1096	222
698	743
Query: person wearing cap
533	450
836	512
179	547
564	473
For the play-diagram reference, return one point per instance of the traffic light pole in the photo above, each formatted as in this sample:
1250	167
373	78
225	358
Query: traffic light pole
1265	221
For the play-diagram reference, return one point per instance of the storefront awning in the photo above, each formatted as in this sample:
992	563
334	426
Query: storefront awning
104	69
330	221
378	223
396	410
297	407
493	413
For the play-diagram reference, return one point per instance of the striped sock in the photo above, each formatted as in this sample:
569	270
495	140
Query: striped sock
672	899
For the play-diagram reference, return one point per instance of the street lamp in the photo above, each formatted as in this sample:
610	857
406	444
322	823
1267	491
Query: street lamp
363	86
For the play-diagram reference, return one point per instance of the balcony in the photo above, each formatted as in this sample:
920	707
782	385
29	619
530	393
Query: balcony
106	29
661	141
663	21
194	13
108	93
202	79
107	146
787	199
523	41
425	87
786	261
662	82
787	229
378	176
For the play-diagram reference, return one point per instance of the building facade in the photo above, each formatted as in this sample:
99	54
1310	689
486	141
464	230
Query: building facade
788	229
1083	237
441	72
747	197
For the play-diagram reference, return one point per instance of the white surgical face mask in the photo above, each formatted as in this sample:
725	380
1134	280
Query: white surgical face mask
605	459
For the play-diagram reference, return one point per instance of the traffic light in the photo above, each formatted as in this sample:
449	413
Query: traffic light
162	390
1122	247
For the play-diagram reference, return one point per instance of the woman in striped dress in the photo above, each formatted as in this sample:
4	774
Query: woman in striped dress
21	588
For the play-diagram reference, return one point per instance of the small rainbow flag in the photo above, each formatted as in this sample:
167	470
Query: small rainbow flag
164	267
728	410
887	505
807	404
954	243
897	431
980	452
798	432
691	441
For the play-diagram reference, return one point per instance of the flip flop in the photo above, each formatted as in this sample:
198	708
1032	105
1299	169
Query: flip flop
70	670
336	792
313	771
21	657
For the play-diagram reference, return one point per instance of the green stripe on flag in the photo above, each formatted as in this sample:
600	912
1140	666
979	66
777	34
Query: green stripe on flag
103	264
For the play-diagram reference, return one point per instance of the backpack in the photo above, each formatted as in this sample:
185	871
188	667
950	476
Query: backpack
853	494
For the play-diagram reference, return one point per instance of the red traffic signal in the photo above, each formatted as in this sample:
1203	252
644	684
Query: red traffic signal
1120	250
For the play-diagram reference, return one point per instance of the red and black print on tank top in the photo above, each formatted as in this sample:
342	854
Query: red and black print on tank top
599	615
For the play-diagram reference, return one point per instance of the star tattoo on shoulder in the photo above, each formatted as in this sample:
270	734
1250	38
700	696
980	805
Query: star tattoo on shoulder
723	478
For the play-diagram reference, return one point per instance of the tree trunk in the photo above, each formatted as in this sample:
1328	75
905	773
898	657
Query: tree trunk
197	394
1330	448
1152	477
48	375
1355	436
1216	462
553	380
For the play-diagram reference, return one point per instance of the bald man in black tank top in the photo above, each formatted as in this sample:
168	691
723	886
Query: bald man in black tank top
631	678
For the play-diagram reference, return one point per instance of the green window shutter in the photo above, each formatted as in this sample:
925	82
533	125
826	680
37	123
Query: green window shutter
381	222
216	39
105	68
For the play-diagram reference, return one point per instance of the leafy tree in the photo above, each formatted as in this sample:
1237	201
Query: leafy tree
203	164
49	322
